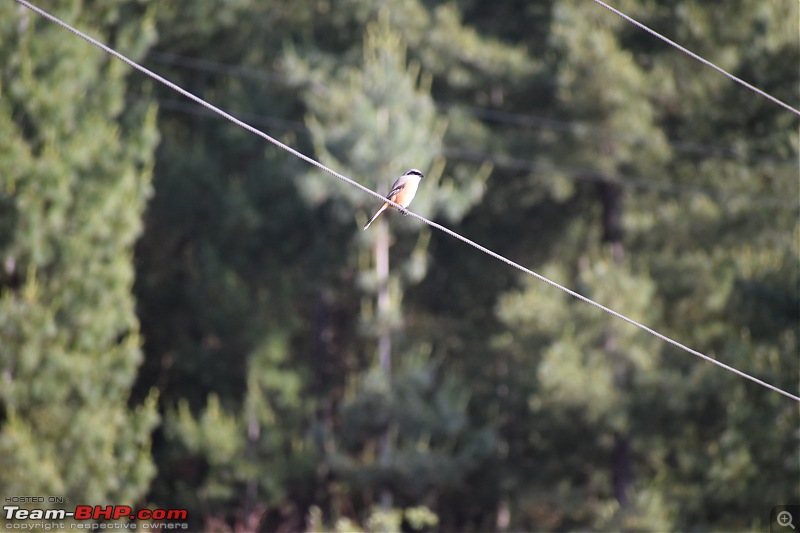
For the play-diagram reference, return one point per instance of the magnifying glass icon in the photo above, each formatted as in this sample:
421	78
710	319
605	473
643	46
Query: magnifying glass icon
785	519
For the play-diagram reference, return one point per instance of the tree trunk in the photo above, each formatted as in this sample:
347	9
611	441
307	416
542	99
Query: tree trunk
384	340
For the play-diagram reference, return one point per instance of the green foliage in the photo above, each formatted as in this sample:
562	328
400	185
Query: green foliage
553	132
435	447
689	255
76	174
417	519
371	120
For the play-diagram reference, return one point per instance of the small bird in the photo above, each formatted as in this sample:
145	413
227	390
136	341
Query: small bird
402	192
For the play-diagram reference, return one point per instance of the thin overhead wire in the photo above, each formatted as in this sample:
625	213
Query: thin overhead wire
497	116
181	106
517	163
626	181
698	58
441	228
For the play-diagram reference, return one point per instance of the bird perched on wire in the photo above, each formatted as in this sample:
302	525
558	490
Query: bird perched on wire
402	192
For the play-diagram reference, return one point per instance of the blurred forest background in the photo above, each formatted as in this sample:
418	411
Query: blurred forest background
189	317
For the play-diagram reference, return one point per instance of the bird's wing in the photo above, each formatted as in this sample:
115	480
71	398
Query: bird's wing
396	186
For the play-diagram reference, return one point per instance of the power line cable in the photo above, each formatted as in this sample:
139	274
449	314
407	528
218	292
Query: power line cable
698	58
487	114
626	181
517	163
214	67
349	181
254	118
572	127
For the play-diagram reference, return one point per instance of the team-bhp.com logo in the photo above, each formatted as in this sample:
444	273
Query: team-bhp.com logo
112	516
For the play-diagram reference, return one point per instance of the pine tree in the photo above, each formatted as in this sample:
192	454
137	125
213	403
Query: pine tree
696	240
76	163
621	168
371	121
233	260
227	276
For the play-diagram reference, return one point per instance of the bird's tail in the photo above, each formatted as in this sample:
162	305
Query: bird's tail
381	210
